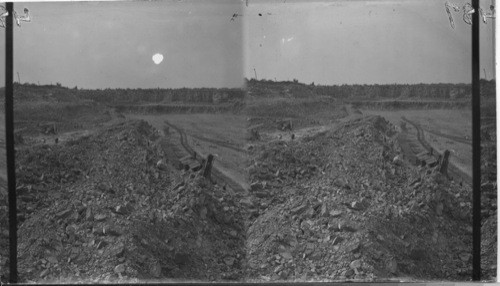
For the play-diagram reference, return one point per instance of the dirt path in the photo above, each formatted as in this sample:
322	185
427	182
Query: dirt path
200	138
454	138
454	169
352	114
218	175
183	139
438	129
218	142
420	134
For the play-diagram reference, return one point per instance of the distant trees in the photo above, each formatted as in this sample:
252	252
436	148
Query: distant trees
439	90
442	91
185	95
264	88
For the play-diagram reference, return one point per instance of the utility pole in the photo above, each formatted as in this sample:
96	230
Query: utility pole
255	73
18	78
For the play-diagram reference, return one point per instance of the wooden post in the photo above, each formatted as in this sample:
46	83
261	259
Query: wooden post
443	164
208	166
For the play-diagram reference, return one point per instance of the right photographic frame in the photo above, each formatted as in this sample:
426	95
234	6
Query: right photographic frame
360	139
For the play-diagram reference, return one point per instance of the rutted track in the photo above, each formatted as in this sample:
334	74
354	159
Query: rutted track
219	142
219	177
420	135
421	138
454	138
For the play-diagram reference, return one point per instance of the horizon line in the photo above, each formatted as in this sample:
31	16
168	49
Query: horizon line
241	87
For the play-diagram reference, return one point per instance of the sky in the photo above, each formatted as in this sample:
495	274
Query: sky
362	42
111	44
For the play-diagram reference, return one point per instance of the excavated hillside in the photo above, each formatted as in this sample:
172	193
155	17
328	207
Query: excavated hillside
489	217
110	206
410	104
344	205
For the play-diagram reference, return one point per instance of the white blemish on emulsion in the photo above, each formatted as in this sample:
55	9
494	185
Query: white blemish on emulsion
157	58
283	40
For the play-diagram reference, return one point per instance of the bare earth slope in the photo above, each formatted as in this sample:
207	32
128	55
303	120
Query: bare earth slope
336	206
101	208
101	198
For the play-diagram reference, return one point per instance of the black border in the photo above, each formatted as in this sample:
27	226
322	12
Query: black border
9	132
476	148
476	152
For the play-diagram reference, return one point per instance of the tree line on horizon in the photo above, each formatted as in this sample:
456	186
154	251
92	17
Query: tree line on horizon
119	95
293	88
421	90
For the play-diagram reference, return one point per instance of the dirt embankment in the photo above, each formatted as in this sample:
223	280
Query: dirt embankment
270	114
4	220
3	158
111	207
489	193
173	109
337	205
44	118
409	104
217	174
342	205
455	170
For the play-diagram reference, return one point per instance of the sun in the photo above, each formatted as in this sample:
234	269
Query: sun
157	58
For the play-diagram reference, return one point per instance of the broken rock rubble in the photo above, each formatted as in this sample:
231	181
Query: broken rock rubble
340	200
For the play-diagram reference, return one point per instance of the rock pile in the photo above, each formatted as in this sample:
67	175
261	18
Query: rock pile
100	209
489	201
342	204
339	206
